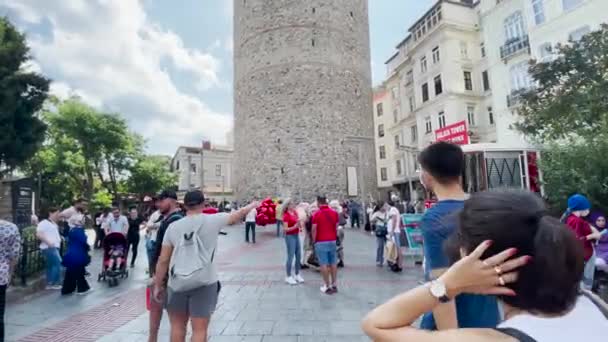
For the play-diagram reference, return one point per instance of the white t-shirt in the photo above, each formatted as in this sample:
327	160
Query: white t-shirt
584	323
50	231
208	233
392	212
120	225
251	215
152	225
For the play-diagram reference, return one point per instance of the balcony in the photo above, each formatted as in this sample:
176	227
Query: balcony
515	46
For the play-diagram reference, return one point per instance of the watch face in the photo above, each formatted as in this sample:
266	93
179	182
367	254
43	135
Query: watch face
438	289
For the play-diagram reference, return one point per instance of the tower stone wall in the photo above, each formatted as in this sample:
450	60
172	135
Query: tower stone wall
302	98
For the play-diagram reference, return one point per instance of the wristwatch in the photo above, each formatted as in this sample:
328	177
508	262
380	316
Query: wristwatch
439	291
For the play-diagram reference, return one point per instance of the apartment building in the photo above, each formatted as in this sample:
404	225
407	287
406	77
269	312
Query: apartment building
465	63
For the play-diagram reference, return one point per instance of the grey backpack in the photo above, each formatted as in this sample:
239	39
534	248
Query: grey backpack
191	263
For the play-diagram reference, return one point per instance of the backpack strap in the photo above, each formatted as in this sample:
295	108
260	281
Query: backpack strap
597	301
517	334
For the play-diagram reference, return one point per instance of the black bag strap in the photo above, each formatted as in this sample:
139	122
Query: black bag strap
517	334
597	301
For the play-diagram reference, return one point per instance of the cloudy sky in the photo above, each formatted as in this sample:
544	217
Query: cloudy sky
165	65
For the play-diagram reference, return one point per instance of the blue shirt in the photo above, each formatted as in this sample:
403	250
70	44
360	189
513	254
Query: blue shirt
437	225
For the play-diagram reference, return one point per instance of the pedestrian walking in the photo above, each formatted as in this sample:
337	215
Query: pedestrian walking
250	225
506	245
342	222
394	233
279	217
78	208
379	220
76	259
598	220
50	243
291	224
355	212
188	250
152	227
170	213
117	223
10	246
579	207
324	234
309	259
441	170
136	222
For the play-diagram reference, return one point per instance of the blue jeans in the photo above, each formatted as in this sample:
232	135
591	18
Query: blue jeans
589	273
279	227
380	243
53	266
293	251
150	249
327	253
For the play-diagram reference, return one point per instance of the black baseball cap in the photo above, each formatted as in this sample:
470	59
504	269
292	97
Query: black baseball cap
167	194
194	198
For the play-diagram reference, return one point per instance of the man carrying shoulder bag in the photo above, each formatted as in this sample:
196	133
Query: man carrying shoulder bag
186	259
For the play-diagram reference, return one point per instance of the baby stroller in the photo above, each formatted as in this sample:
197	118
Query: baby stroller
115	253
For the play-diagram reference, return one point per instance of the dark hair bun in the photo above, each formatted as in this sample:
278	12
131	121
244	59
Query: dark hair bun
549	284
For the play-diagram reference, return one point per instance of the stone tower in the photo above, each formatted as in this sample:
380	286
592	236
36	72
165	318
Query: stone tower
303	99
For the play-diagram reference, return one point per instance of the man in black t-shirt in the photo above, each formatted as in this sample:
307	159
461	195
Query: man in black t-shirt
170	211
135	225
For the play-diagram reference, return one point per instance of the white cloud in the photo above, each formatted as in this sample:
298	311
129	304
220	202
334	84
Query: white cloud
111	54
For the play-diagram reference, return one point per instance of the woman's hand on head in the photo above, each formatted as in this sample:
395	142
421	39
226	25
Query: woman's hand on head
471	274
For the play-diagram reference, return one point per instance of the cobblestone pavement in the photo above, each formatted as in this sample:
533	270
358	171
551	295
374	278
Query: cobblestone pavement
255	304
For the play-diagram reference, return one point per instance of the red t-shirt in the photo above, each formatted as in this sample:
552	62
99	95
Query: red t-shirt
210	211
326	220
290	219
581	228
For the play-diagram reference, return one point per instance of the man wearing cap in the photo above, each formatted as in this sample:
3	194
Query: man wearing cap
198	304
578	208
169	209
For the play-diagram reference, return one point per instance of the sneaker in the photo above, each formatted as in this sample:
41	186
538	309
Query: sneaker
50	287
334	289
291	281
56	287
85	292
379	265
299	278
325	289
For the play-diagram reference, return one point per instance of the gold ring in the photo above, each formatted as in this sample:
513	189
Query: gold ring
498	270
501	280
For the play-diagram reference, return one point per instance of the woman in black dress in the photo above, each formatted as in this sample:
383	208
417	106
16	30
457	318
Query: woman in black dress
135	224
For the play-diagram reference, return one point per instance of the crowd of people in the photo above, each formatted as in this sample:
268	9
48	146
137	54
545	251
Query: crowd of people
496	265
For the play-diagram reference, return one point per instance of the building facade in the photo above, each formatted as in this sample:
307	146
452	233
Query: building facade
467	61
217	175
302	90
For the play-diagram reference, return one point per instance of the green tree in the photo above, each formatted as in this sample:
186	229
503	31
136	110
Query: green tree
150	174
103	143
567	113
570	101
22	94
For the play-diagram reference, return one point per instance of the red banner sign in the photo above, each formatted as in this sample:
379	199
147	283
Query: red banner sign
456	133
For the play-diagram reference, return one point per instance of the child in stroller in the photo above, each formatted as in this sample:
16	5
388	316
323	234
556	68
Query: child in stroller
114	258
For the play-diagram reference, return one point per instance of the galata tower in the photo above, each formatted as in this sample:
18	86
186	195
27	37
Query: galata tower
303	99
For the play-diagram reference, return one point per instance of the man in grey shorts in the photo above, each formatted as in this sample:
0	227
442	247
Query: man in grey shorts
196	305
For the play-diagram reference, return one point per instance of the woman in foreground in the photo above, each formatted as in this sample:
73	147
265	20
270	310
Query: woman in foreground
508	248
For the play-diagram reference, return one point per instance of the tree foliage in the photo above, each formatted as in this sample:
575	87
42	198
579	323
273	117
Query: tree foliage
567	112
149	175
92	154
22	94
570	101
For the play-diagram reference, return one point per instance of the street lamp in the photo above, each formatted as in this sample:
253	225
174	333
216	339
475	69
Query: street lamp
405	150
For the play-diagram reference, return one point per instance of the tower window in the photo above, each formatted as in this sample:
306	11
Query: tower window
352	15
313	42
314	10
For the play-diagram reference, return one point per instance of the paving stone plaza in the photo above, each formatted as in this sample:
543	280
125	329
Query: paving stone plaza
255	303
